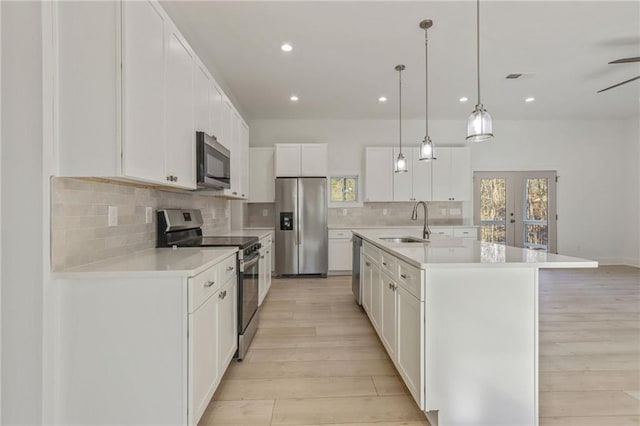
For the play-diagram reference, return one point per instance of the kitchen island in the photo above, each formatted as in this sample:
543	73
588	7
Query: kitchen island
459	319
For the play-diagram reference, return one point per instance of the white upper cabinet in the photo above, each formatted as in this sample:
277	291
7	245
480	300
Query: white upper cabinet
313	159
143	80
203	99
288	160
261	175
378	174
403	182
294	159
421	177
245	163
130	93
452	174
180	134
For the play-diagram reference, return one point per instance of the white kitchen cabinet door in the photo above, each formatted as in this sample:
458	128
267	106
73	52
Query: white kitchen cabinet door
180	134
388	318
461	181
421	175
268	256
201	97
217	110
340	254
313	159
410	348
442	174
244	149
378	174
228	322
203	356
143	83
288	160
226	124
236	153
452	174
262	282
376	297
366	280
403	182
262	188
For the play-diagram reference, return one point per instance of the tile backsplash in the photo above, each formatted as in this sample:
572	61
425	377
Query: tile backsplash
80	234
370	214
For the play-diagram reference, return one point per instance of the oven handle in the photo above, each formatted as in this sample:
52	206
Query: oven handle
250	262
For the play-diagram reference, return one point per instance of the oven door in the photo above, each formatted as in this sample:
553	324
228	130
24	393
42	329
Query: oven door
248	291
213	163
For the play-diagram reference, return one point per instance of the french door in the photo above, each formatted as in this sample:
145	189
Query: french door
516	208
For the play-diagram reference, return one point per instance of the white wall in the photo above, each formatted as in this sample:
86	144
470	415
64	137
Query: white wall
22	207
597	162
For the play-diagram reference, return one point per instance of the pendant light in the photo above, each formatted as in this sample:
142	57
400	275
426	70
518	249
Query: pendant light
426	147
479	126
401	161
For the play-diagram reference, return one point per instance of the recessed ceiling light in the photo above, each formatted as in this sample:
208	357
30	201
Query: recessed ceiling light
286	47
382	99
530	99
464	99
293	98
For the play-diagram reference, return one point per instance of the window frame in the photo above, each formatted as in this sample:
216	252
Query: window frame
345	204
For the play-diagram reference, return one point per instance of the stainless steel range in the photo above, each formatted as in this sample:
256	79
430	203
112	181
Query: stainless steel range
183	228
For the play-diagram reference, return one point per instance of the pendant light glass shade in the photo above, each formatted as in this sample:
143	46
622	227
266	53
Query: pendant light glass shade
426	150
401	162
479	126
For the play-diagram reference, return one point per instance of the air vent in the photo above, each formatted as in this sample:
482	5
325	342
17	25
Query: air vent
513	76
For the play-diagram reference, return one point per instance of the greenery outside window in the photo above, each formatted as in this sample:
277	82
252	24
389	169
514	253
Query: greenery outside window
344	189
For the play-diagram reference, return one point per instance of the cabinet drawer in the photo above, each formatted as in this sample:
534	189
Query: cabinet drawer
339	233
409	279
266	241
465	233
202	286
443	231
228	268
388	263
371	251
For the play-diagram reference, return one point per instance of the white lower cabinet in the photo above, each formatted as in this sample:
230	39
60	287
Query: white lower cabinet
340	250
136	349
264	267
392	298
388	320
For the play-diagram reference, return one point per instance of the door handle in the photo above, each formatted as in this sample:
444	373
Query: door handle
209	283
512	221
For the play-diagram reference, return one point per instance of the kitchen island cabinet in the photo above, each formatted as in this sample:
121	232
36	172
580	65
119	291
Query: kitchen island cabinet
459	320
146	338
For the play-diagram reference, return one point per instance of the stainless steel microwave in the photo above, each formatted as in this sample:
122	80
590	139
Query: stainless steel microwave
213	163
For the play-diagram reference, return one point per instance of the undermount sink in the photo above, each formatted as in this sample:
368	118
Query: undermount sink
403	240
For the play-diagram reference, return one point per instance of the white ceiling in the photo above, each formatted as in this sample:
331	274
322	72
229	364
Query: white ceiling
345	53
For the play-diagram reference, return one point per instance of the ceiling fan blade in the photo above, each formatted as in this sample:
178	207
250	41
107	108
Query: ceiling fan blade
626	60
619	84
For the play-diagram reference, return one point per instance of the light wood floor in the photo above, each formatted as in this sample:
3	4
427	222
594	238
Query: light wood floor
317	360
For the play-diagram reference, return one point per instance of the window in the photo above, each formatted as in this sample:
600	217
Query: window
344	189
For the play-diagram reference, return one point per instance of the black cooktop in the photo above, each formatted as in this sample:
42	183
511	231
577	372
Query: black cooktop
242	242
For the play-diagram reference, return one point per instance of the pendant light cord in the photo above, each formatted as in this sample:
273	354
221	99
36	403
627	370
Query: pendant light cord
426	83
400	105
478	46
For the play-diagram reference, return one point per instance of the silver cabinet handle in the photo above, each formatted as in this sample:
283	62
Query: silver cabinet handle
262	257
268	252
385	263
230	268
222	294
391	286
209	283
235	193
176	178
367	263
405	276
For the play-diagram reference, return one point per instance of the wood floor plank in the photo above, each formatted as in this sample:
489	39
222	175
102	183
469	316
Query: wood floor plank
345	410
389	385
589	380
591	421
341	368
298	387
241	413
589	403
316	354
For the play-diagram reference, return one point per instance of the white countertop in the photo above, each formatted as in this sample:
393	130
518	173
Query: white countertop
443	251
470	225
248	232
184	262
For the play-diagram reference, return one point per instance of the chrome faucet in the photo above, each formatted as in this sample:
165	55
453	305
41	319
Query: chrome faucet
426	232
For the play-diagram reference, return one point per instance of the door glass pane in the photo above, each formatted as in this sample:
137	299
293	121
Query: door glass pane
536	213
493	210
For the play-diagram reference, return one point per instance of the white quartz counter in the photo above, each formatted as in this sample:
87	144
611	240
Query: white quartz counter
185	262
417	226
447	252
249	232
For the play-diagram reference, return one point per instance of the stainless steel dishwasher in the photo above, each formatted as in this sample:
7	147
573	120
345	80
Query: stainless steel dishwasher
355	271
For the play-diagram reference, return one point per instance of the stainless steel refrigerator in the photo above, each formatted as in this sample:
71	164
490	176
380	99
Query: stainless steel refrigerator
301	226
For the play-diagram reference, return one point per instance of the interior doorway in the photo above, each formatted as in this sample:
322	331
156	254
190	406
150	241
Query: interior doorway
517	208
